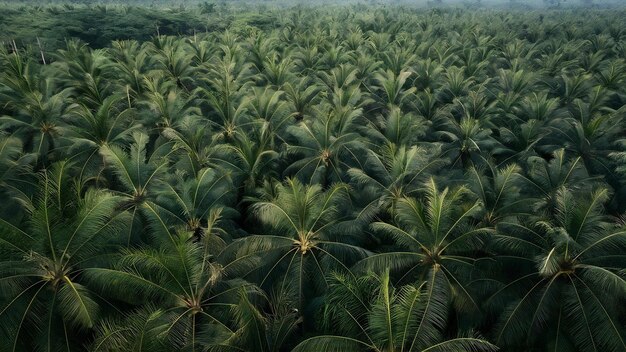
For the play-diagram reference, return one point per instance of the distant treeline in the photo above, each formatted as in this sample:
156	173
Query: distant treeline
100	24
183	3
47	24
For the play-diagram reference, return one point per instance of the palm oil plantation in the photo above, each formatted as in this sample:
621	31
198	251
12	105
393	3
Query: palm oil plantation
362	176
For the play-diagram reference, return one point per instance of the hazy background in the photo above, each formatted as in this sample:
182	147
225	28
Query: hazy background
482	3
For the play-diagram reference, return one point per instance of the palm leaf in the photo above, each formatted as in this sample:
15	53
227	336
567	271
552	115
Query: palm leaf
332	344
76	305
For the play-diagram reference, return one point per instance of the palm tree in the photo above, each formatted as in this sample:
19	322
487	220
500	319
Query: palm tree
428	74
195	293
590	135
396	128
340	77
325	147
468	142
435	235
38	109
203	51
302	96
256	329
269	107
135	177
278	71
305	234
573	87
334	55
331	178
252	160
195	145
520	141
547	177
397	172
390	88
45	301
501	192
456	84
369	314
166	109
138	330
398	59
307	59
541	108
132	62
228	76
90	130
566	281
261	47
198	202
85	72
176	63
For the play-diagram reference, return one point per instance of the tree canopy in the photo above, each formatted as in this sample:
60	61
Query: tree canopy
345	178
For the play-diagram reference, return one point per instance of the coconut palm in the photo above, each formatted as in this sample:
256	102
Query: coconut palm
467	142
45	301
167	109
325	147
520	141
391	88
456	84
195	292
132	61
397	128
500	190
302	96
227	77
269	107
434	235
85	72
88	131
360	177
567	279
428	73
278	71
198	202
267	332
137	330
176	63
590	135
370	314
194	145
547	177
135	175
306	234
37	114
392	174
251	159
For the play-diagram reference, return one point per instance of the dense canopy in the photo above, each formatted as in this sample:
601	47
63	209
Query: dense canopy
351	178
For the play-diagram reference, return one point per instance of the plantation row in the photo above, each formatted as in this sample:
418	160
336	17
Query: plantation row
359	179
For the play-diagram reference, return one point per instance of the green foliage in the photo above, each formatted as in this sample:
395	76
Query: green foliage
97	26
228	177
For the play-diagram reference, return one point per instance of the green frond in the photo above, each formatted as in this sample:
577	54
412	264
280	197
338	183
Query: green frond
76	304
394	261
137	331
423	326
118	284
332	344
462	344
381	315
